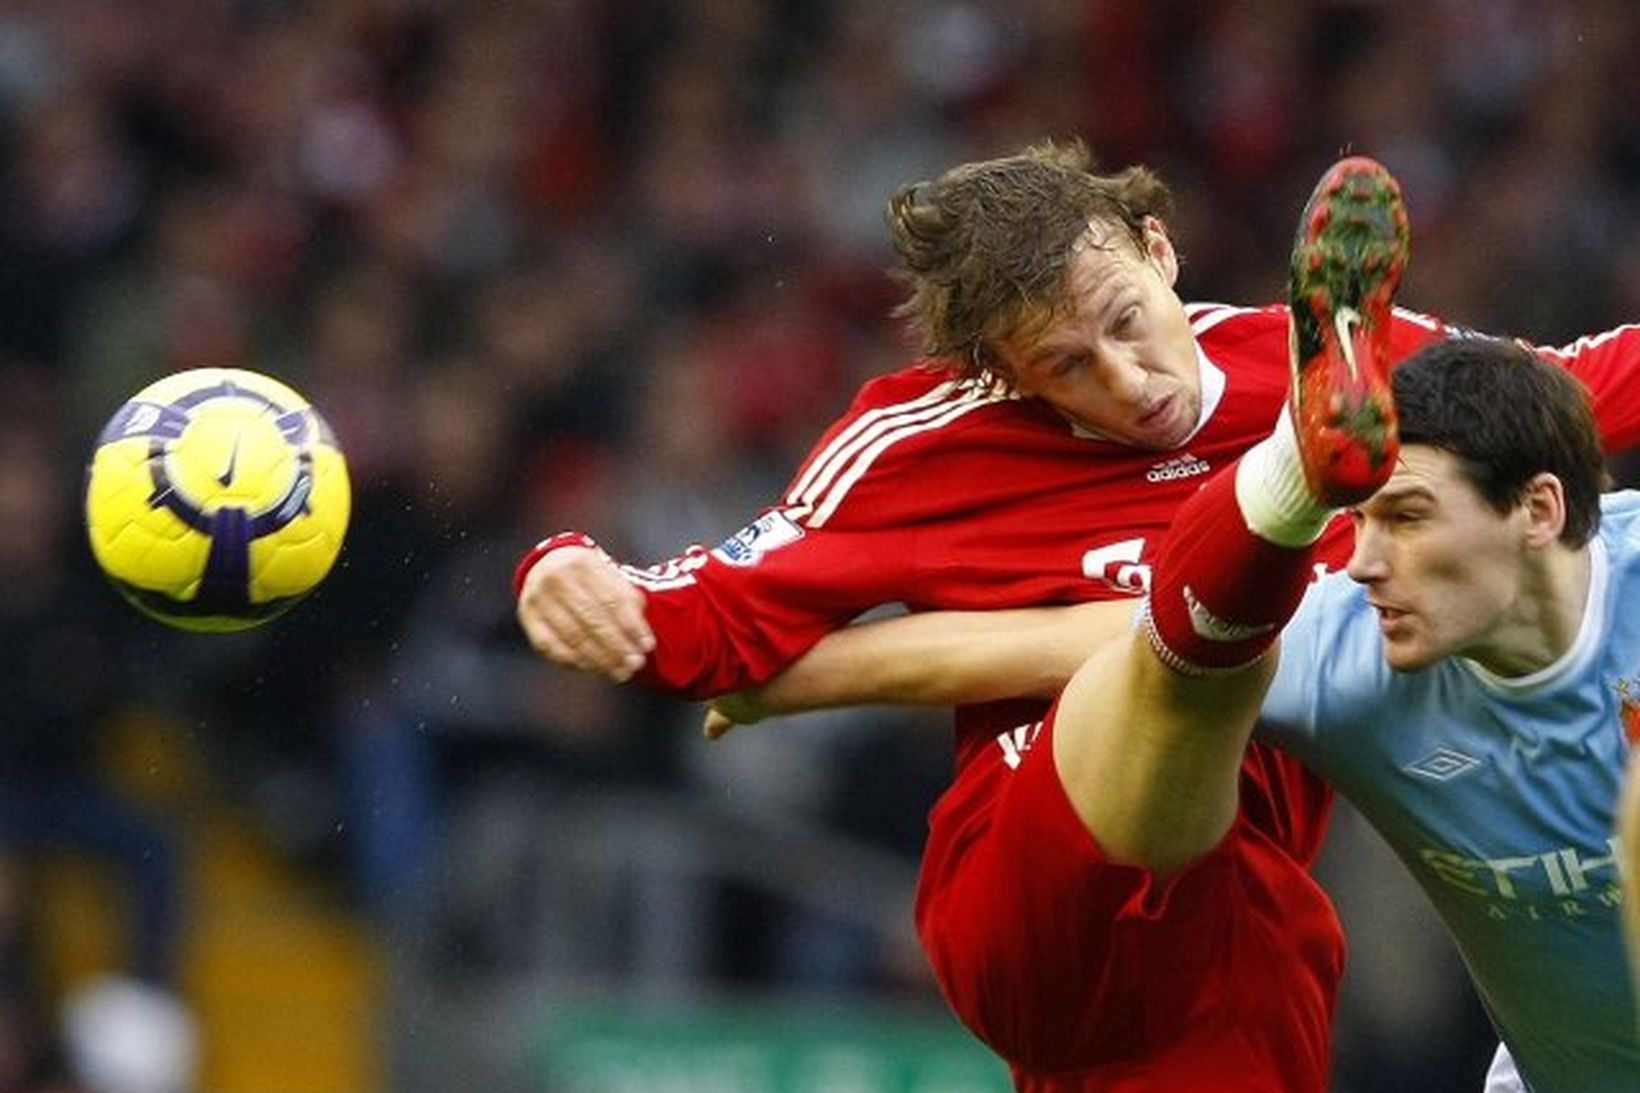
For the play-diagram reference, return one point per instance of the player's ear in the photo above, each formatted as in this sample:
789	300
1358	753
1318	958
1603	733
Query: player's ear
1159	249
1544	504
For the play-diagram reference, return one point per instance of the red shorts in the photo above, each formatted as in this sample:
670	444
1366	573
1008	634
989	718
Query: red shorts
1089	975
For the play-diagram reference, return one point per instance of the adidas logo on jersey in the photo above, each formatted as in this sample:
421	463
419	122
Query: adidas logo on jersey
1184	466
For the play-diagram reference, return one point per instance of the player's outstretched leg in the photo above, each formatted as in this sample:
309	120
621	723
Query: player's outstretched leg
1347	261
1237	558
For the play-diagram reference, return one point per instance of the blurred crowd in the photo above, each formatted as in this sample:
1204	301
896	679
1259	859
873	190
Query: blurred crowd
611	265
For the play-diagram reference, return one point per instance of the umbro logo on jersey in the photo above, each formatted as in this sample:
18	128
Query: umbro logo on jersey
1443	765
1184	466
1210	626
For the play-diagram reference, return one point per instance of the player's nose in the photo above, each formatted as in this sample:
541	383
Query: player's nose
1124	378
1368	562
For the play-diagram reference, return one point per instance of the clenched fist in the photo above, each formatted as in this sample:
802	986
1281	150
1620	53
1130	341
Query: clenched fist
578	610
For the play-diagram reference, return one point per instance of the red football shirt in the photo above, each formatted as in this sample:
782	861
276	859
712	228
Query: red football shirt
941	493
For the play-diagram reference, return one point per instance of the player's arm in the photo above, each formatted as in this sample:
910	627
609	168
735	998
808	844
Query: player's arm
1609	366
1608	363
701	623
709	621
935	658
843	540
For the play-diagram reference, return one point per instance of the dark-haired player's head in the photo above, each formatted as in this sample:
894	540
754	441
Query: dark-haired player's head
1472	542
1507	416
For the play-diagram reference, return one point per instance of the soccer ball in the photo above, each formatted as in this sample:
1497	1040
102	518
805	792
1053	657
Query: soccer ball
216	498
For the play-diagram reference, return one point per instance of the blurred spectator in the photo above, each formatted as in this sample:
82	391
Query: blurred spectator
62	631
460	699
73	192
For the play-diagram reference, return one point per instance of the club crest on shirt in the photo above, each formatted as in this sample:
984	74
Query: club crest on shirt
768	532
1628	707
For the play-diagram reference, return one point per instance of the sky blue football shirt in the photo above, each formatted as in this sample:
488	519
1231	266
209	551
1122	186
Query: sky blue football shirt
1500	795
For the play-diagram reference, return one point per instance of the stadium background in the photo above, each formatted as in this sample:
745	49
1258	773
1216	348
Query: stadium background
612	264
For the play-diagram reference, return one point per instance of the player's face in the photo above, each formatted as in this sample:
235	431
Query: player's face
1447	573
1121	361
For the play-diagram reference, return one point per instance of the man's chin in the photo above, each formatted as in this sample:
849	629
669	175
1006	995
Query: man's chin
1409	659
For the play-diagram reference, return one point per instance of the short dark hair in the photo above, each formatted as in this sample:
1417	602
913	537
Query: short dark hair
1507	415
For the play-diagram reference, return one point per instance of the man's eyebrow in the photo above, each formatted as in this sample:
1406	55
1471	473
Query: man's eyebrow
1045	352
1111	308
1410	491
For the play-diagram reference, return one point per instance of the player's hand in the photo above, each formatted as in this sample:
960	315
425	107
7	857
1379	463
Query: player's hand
579	611
728	711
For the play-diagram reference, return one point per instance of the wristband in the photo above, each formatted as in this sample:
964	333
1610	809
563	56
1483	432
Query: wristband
542	549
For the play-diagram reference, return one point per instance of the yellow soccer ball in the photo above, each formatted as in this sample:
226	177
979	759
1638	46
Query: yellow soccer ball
216	498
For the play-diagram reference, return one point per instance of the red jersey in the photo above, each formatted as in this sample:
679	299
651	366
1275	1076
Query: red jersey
944	493
941	493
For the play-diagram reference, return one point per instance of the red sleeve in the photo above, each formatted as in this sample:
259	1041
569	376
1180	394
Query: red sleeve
1609	366
845	539
1412	330
734	616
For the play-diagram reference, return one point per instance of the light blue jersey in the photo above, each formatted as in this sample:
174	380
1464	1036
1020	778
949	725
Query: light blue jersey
1500	796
